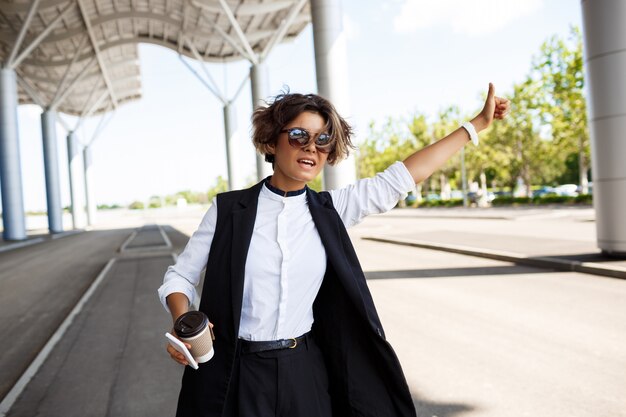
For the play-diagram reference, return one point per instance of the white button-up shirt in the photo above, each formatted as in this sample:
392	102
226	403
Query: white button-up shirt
286	260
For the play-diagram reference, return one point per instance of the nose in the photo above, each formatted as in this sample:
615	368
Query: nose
310	147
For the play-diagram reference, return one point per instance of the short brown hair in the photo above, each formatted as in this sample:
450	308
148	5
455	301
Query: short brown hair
268	121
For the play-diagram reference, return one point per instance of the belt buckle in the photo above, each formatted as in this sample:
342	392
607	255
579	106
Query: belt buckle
295	343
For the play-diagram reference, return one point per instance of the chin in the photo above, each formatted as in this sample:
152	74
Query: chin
305	176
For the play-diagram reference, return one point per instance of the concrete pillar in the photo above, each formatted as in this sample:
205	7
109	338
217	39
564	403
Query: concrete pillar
605	62
51	169
89	186
230	128
79	220
331	65
259	81
14	223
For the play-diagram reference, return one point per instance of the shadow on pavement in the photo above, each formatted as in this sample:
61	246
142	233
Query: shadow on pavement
455	272
426	408
590	257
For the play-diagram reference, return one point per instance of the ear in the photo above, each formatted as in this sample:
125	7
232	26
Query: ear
270	151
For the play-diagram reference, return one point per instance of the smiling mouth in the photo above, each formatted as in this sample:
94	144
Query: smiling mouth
307	162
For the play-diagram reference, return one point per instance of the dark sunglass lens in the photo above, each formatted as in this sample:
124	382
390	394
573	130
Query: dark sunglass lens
323	139
298	134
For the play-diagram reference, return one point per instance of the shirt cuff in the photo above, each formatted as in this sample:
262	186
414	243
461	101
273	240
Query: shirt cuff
176	286
403	175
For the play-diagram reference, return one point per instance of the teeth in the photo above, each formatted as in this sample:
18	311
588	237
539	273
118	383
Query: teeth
307	161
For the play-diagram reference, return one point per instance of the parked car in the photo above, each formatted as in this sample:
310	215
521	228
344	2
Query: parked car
433	197
456	194
502	194
543	191
474	197
569	190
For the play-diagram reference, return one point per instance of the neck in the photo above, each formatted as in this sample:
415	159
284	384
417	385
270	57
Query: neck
285	183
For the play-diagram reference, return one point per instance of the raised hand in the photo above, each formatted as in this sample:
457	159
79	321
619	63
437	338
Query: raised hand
494	108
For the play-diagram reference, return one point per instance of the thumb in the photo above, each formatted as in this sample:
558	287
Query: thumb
492	92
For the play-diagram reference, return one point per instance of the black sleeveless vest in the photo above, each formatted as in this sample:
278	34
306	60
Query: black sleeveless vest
365	376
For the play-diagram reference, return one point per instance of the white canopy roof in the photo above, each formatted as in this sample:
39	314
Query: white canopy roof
80	56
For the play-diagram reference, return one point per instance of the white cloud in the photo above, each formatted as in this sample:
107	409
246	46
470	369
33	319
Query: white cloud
468	17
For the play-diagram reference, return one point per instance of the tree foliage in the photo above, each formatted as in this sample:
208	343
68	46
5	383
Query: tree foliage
533	145
559	70
221	185
385	145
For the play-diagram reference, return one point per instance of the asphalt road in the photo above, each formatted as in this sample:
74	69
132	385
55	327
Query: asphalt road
39	286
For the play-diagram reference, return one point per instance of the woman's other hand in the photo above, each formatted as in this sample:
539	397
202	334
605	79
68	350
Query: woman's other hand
494	108
176	355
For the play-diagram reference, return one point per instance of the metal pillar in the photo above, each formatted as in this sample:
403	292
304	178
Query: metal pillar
51	168
259	81
76	194
10	170
331	64
230	127
89	189
605	62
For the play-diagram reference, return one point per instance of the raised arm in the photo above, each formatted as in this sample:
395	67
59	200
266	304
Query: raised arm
424	162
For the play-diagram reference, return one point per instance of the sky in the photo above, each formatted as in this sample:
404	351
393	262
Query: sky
404	56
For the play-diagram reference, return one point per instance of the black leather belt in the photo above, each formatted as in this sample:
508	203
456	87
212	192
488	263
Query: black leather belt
263	346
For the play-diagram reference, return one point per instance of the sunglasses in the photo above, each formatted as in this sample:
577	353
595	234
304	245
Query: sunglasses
300	138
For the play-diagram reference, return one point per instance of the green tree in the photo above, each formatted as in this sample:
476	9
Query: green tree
559	68
422	137
383	146
448	120
136	205
154	201
221	185
516	141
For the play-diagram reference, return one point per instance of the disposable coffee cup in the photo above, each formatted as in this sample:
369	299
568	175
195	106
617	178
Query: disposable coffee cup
193	328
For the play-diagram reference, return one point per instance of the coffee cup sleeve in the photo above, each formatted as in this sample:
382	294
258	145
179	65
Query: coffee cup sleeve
179	346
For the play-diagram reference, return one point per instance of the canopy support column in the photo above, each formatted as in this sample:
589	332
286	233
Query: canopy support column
89	190
76	194
605	62
259	83
10	170
51	168
331	67
230	128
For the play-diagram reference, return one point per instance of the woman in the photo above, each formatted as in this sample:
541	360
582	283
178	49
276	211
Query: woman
297	333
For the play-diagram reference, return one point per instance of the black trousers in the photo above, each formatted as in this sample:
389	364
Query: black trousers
280	383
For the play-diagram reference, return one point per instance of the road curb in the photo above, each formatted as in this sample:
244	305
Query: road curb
39	239
593	268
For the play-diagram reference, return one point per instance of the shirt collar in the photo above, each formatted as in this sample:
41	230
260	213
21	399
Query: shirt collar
281	192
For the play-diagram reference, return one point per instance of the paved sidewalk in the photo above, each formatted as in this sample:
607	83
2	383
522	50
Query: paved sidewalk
561	239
